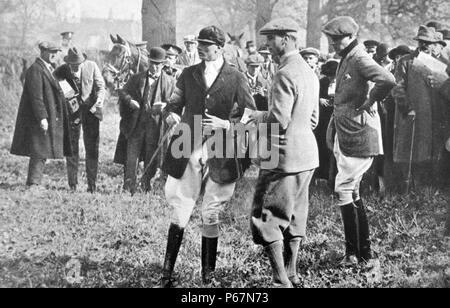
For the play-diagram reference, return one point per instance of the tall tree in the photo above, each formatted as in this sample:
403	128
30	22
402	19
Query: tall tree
159	18
314	31
264	9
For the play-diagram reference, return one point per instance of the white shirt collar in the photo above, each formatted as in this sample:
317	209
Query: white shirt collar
253	78
214	66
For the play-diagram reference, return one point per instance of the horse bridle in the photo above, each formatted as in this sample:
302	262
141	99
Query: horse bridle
123	74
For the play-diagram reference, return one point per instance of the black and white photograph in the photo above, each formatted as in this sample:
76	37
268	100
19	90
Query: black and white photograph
225	148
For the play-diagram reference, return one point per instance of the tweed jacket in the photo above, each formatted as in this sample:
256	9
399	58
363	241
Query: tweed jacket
294	105
358	132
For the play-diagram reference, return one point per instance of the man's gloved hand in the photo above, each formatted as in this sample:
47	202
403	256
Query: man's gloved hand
44	125
134	105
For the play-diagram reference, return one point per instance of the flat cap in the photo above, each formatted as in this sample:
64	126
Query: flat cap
212	35
382	50
264	50
438	26
310	51
254	60
172	50
49	47
341	26
190	39
280	25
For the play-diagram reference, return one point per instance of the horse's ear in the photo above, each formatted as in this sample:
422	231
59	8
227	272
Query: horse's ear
121	40
241	36
113	39
230	36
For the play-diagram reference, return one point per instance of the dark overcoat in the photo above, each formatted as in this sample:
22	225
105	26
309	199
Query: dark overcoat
413	92
134	90
226	99
42	98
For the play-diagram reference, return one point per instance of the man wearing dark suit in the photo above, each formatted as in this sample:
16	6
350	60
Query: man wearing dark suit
42	127
281	202
213	95
141	101
86	79
357	139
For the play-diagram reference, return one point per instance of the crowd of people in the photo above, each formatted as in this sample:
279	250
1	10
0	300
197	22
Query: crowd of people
337	116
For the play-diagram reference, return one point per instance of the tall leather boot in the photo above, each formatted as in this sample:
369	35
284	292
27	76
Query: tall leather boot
173	247
364	233
291	247
275	254
351	231
209	257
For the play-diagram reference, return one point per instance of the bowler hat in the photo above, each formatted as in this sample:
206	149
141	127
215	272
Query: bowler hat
74	56
341	26
254	60
157	55
212	35
428	34
280	26
330	68
371	43
48	46
399	51
310	51
172	50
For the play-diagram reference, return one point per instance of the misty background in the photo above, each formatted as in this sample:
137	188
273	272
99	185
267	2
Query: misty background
24	23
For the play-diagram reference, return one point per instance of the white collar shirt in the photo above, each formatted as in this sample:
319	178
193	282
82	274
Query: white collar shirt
212	70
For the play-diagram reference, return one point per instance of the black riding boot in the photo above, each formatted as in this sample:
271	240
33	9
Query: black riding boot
351	231
364	233
173	247
291	247
209	257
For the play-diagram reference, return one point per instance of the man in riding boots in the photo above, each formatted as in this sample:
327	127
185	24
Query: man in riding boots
216	95
171	67
355	130
85	78
141	102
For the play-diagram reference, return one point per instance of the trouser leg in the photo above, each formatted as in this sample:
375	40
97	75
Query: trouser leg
91	136
74	161
35	171
134	147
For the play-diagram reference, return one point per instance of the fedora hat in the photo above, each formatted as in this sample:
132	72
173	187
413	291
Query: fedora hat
75	56
430	35
157	55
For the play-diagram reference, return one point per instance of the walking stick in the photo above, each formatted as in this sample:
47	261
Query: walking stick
161	145
408	187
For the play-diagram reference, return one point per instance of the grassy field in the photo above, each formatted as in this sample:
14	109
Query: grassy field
55	238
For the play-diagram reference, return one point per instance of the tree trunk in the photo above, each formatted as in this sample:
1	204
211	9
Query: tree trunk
314	30
159	18
447	226
263	16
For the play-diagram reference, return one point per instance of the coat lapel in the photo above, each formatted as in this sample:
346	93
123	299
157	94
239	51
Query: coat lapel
199	75
47	74
343	66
